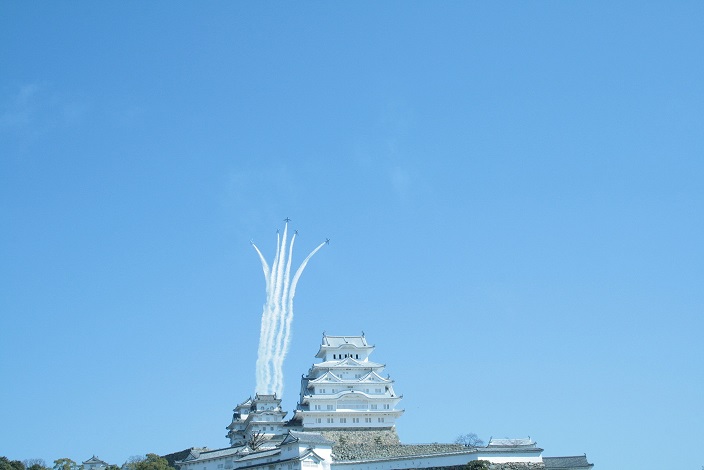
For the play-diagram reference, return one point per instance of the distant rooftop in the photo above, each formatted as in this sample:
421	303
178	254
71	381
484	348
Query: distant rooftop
579	461
527	442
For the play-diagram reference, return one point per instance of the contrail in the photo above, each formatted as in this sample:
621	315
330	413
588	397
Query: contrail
275	306
265	319
286	323
278	377
274	336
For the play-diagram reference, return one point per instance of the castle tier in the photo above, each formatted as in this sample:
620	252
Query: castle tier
346	390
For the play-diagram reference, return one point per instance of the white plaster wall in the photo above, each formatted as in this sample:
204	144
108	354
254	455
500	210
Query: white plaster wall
512	457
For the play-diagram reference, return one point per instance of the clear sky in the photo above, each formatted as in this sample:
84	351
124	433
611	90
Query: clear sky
513	193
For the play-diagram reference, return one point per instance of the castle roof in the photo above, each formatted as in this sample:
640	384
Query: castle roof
579	461
343	342
330	377
247	403
95	460
337	341
265	397
348	362
527	442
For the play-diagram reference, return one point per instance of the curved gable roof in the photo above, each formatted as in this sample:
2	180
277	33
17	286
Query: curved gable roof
337	341
349	362
375	378
327	377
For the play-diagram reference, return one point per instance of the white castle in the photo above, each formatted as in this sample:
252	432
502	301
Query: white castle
345	390
346	420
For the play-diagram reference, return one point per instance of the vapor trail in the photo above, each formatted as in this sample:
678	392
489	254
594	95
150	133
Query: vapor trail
278	379
278	367
274	310
265	321
277	315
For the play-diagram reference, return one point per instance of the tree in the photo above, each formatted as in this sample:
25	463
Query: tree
153	462
469	440
35	464
132	461
478	465
257	439
66	464
7	464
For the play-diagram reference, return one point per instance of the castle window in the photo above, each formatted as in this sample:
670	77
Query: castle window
331	407
356	356
343	420
381	420
386	407
318	420
373	407
330	420
367	420
355	420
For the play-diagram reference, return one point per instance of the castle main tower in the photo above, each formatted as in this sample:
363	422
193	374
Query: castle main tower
345	391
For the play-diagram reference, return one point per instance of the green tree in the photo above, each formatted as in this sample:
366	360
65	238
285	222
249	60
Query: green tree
7	464
153	462
131	463
66	464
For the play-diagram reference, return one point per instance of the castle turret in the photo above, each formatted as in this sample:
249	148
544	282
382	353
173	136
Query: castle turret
261	417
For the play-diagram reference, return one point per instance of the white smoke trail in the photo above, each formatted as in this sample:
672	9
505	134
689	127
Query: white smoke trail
278	344
264	371
279	359
272	316
278	309
274	336
265	321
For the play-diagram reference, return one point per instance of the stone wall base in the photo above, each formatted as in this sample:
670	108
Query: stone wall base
369	436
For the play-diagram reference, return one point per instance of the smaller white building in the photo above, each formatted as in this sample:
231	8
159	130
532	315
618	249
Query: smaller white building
94	463
261	417
295	451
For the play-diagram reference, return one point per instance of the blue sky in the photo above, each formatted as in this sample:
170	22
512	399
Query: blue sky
513	193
